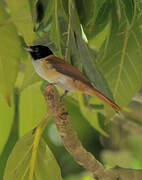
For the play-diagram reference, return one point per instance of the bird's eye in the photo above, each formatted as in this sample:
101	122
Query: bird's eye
36	50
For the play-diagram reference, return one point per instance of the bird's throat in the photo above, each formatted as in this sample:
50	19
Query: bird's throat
39	69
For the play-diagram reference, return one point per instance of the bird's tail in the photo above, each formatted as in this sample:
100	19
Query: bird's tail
94	92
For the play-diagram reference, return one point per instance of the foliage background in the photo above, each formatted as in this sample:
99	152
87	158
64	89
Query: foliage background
101	38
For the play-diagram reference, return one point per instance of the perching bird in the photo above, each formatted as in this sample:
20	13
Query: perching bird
58	72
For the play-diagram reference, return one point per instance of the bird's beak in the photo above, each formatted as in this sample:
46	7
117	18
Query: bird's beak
28	49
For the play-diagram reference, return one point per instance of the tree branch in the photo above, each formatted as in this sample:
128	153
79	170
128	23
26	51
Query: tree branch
74	146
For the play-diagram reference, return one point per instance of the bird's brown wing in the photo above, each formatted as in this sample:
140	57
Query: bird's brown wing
66	69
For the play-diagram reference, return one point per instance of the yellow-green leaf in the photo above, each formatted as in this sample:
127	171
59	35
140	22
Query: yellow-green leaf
30	76
97	41
121	64
10	52
6	120
90	115
55	33
32	108
49	167
18	164
22	18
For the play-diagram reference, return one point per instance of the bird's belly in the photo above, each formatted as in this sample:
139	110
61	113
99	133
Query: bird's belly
49	75
65	83
52	76
59	79
38	68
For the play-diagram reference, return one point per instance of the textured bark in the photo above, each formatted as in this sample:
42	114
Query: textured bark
74	146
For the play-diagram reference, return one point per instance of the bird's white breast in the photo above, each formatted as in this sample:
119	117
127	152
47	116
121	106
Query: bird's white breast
39	69
52	76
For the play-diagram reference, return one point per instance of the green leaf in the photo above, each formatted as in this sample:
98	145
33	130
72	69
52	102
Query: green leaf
90	115
122	158
58	26
32	108
46	163
41	12
6	120
48	11
30	76
19	158
33	8
21	16
86	57
75	21
17	167
88	18
122	65
103	17
71	52
80	176
10	49
97	41
55	32
129	8
13	135
84	128
91	69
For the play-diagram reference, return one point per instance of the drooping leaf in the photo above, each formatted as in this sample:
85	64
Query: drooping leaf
6	120
86	58
32	108
10	49
91	69
11	141
12	127
75	21
21	16
58	26
19	161
72	54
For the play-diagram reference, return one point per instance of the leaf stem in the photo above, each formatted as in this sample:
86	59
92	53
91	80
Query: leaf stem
38	132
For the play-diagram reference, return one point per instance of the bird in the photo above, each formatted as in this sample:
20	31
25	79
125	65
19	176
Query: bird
59	72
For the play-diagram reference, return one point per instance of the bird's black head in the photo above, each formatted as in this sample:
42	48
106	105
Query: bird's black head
38	52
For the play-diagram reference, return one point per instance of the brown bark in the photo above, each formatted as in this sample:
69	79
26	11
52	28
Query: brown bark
74	146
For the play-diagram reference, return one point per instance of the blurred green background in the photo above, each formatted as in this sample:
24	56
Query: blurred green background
103	39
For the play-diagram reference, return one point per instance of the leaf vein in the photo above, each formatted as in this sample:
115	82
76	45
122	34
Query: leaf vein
121	61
